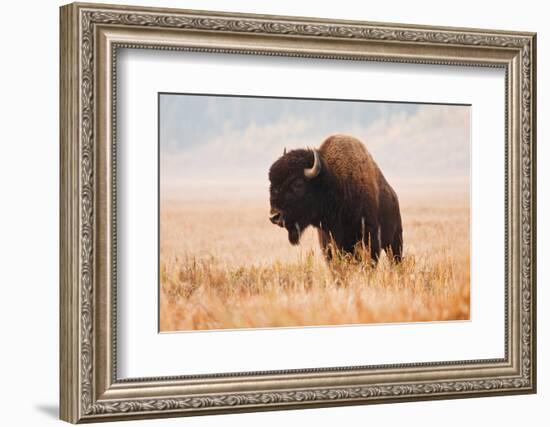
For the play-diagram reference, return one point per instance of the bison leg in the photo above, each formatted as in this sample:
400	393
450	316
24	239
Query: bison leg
397	246
372	241
325	243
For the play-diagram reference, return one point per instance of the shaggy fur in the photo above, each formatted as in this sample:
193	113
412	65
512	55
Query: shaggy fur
349	202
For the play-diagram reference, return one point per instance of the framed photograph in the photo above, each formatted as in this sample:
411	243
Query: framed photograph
266	212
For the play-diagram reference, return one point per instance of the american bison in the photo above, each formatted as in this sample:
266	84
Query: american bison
338	189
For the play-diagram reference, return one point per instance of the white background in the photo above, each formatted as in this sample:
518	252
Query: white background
29	173
145	353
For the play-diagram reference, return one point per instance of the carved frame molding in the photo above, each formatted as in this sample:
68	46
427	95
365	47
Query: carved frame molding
90	37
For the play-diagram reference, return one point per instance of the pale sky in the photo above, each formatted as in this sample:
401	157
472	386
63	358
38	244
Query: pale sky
234	140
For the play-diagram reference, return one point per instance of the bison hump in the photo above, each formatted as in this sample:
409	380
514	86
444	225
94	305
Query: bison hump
351	164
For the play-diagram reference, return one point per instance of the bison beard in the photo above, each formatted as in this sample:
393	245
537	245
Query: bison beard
294	234
339	190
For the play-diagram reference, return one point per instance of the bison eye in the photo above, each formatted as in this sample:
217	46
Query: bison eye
275	192
298	186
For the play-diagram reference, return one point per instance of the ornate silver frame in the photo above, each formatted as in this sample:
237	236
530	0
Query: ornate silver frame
90	36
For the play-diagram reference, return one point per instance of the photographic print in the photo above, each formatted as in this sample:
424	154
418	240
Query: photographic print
283	212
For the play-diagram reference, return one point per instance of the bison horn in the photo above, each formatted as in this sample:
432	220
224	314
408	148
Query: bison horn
315	169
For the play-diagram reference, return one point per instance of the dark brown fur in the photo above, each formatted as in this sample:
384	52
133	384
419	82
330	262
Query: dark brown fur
349	202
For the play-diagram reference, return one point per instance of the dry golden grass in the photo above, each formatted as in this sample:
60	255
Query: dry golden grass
223	265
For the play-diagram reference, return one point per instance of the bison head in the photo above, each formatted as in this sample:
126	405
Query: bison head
295	191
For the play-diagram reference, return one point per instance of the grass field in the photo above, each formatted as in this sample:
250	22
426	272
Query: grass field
224	265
